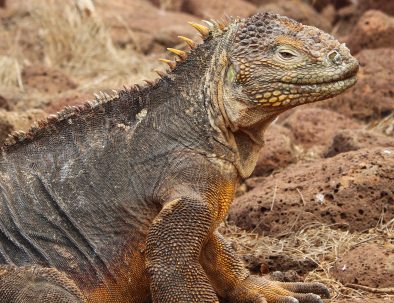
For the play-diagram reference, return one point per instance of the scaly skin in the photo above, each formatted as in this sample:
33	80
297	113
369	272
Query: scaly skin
119	200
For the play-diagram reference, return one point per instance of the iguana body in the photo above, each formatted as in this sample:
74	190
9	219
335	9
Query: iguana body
119	200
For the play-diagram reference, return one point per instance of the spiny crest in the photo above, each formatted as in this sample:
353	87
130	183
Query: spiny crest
50	122
213	27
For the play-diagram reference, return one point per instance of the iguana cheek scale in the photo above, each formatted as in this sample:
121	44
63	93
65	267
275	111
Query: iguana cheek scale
119	200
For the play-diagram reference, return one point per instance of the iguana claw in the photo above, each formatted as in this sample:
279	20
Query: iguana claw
279	292
306	288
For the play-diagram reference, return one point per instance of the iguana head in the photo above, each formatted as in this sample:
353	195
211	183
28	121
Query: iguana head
255	68
275	63
272	62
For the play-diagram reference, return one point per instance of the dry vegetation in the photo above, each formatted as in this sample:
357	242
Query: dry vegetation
58	35
320	244
385	125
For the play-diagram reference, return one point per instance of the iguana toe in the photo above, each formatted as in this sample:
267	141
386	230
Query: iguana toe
306	288
279	292
308	298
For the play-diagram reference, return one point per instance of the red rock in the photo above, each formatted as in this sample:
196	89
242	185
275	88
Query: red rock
353	190
278	151
368	264
169	5
329	13
366	300
218	9
349	15
319	5
144	21
314	126
298	10
348	140
372	96
374	30
383	5
46	79
260	2
168	36
346	19
4	103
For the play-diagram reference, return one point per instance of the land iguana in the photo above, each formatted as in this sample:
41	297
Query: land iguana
119	200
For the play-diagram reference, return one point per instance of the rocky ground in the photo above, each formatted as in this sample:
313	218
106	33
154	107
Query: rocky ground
320	204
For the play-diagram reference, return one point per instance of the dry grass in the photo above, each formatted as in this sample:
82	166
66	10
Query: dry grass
80	46
11	59
319	243
385	125
59	36
10	72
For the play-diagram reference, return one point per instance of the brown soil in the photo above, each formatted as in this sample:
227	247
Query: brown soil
47	80
355	266
320	204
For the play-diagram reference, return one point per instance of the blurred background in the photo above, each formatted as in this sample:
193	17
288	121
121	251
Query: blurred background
320	204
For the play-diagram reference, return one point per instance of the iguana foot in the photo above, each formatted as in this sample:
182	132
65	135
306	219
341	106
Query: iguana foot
259	290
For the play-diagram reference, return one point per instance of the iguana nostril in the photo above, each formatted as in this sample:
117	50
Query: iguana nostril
335	57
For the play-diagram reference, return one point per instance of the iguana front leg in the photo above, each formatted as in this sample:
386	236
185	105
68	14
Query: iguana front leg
234	284
174	242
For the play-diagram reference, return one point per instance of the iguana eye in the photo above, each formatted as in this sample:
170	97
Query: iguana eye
286	55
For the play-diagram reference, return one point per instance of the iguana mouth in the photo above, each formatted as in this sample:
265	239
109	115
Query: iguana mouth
322	88
330	87
343	80
349	72
347	75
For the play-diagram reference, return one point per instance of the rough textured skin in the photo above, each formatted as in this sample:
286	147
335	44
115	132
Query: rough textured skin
119	199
